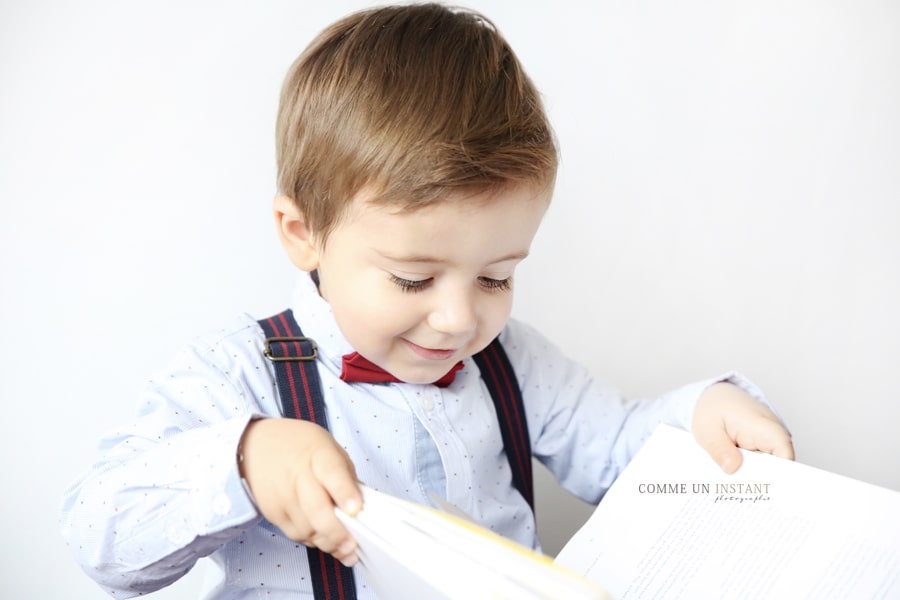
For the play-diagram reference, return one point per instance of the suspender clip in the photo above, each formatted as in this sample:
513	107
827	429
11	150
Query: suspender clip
300	356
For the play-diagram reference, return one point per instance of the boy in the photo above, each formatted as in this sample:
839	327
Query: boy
415	164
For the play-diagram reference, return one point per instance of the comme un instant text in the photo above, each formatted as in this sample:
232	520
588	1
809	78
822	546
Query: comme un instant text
703	488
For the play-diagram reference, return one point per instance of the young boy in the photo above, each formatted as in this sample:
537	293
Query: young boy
415	164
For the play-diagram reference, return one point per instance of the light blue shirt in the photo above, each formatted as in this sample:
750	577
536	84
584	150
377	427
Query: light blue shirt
166	489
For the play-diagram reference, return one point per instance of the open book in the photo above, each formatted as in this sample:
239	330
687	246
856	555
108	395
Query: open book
672	526
412	552
675	526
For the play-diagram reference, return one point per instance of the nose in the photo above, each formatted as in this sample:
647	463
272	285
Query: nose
454	312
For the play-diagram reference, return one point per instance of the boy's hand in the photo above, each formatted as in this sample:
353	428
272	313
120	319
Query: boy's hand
726	417
297	474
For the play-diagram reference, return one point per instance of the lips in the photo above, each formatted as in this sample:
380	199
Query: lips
429	353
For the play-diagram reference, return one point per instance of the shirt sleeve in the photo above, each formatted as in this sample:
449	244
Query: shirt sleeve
584	430
166	489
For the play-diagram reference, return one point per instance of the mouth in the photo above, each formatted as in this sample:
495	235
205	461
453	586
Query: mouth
430	353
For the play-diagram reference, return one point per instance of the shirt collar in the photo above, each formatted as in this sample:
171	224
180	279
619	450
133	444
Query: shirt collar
316	319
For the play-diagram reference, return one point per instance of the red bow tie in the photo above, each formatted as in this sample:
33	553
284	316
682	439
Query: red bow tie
355	368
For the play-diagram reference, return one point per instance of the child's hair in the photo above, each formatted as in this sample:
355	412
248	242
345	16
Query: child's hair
410	103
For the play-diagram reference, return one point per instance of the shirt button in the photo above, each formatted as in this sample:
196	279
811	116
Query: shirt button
428	403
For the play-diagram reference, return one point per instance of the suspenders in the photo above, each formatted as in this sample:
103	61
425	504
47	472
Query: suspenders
300	391
501	382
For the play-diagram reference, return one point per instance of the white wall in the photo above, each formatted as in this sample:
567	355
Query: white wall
728	199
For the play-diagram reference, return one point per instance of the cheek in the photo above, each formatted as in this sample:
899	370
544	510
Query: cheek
361	310
353	316
370	309
495	313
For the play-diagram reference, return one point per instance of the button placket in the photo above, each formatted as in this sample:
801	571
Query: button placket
428	402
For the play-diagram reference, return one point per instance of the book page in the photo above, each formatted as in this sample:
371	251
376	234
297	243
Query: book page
675	526
412	552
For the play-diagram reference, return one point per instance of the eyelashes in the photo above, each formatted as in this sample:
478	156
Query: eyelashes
496	285
409	285
417	285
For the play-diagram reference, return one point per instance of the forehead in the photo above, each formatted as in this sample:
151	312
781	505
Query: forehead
467	226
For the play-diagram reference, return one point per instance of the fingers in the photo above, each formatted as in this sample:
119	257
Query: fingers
711	433
298	474
784	449
335	472
314	523
766	434
761	434
726	418
333	483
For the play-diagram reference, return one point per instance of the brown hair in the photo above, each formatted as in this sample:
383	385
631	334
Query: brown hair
413	103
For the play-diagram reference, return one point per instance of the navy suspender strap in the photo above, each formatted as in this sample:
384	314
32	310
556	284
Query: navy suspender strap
501	382
300	390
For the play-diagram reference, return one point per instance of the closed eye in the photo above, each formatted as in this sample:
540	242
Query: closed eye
496	285
411	285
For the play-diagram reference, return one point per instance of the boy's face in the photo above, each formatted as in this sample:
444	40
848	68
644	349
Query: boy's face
415	292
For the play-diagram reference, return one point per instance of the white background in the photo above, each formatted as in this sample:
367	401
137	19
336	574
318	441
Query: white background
729	198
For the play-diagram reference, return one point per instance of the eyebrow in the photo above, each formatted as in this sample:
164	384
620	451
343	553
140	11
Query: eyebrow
424	258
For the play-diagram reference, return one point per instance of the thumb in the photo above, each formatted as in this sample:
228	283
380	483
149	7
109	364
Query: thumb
722	450
336	473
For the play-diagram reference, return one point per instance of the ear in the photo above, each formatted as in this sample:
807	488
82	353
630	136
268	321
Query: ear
295	236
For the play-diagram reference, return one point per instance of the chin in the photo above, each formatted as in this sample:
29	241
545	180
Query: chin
424	378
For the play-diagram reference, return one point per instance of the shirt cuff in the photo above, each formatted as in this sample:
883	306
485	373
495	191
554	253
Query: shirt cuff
221	499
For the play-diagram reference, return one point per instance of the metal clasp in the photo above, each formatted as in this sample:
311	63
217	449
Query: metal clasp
302	357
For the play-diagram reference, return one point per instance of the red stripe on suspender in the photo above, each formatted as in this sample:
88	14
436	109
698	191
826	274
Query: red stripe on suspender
285	332
521	423
305	380
340	580
323	568
274	325
519	420
294	398
288	332
505	404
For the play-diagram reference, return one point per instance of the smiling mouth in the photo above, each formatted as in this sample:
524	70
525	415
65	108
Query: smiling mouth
429	353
